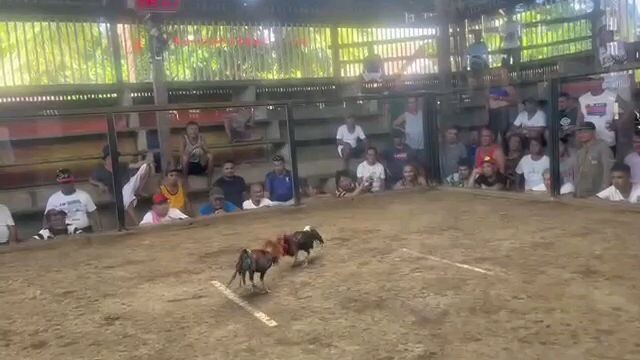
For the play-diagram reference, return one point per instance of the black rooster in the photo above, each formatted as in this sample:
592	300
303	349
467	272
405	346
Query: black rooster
303	240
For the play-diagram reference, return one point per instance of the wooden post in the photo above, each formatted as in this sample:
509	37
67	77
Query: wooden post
161	97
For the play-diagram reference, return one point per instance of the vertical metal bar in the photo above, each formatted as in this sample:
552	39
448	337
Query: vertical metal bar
116	54
115	158
15	29
293	152
80	60
180	45
48	51
5	78
335	51
554	136
430	131
69	47
34	39
95	46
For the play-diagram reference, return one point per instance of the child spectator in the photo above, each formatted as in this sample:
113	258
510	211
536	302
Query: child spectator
78	205
371	173
257	199
351	141
8	233
345	186
56	224
398	157
217	204
102	177
233	186
278	184
488	176
593	162
621	188
161	212
451	151
530	122
633	160
173	190
461	177
196	158
410	179
515	152
488	148
533	165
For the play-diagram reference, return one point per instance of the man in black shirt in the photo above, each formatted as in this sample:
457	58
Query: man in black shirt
488	177
568	108
233	186
373	66
102	177
397	157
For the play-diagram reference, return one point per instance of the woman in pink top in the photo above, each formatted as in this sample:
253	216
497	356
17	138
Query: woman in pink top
488	147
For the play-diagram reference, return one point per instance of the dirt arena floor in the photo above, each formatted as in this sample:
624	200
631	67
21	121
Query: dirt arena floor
560	282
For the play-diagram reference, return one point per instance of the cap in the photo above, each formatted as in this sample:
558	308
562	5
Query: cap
277	158
587	125
51	212
159	199
216	193
64	176
488	159
107	152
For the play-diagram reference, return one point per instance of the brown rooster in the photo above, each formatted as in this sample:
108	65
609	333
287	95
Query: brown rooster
257	261
303	240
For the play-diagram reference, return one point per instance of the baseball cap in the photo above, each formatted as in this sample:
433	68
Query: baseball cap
64	176
107	152
216	193
159	199
587	125
277	158
51	212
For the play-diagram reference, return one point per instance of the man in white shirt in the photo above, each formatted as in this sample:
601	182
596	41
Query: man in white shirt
371	173
78	205
8	233
532	166
633	160
565	189
599	107
161	212
351	141
532	121
621	188
257	199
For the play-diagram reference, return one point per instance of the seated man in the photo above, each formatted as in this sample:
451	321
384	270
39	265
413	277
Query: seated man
257	199
531	122
461	177
397	157
411	179
565	189
132	186
233	186
174	191
161	212
8	233
532	166
78	205
238	125
56	224
196	157
371	173
351	141
278	184
488	177
621	189
345	186
373	66
217	204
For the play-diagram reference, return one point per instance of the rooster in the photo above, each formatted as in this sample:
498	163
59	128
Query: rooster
257	261
303	240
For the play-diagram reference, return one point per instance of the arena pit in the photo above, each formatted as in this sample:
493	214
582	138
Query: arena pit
434	275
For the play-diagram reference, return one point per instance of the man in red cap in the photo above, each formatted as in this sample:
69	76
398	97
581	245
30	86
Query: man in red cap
161	212
488	176
77	204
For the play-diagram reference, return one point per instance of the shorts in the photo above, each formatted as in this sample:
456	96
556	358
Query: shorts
356	152
131	187
196	168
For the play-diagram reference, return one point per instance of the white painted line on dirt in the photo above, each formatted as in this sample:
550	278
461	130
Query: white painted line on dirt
243	304
445	261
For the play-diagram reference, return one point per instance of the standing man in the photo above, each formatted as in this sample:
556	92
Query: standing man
8	233
411	123
278	184
568	109
233	186
351	140
396	158
451	151
593	162
598	107
78	205
511	40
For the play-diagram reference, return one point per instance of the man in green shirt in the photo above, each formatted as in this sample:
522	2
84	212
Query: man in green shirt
593	162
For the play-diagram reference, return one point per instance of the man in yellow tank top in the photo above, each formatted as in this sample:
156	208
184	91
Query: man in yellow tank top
173	190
